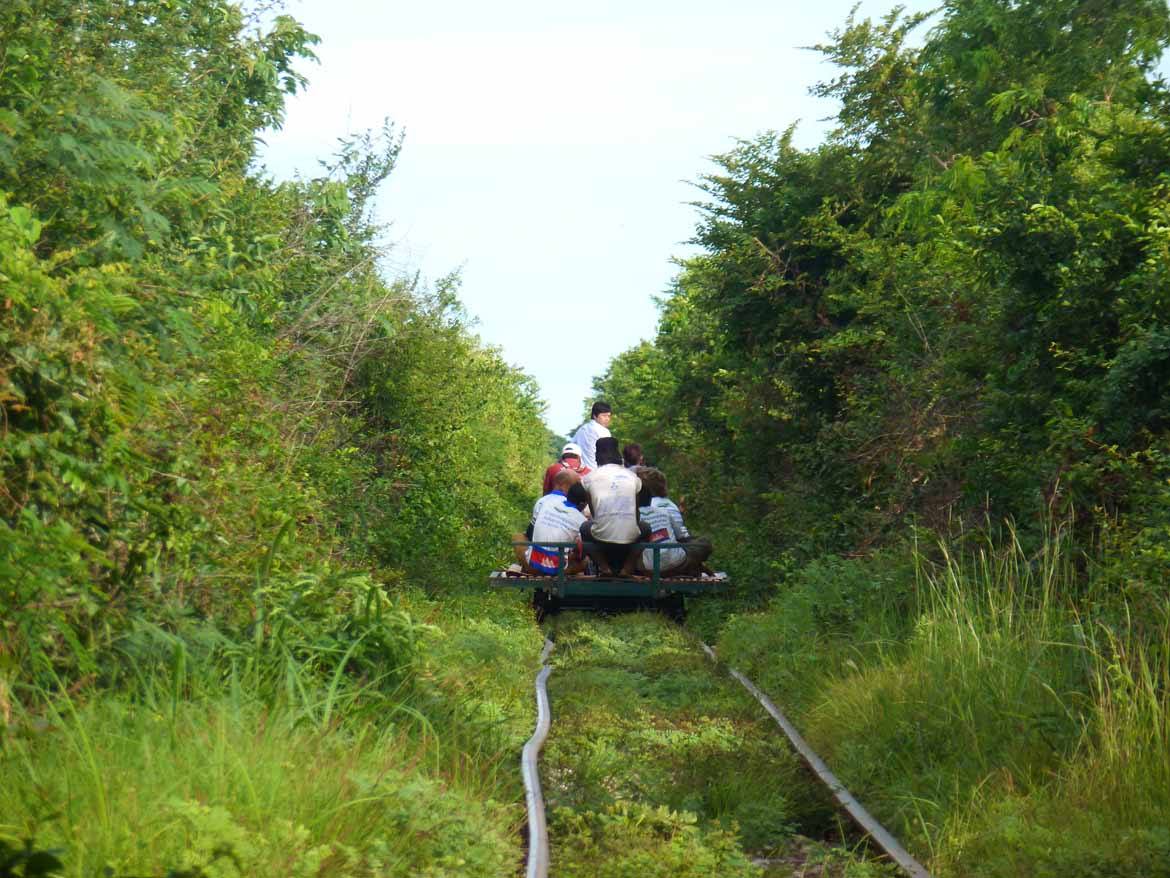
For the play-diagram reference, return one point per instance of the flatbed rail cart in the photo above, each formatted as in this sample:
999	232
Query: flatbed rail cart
654	588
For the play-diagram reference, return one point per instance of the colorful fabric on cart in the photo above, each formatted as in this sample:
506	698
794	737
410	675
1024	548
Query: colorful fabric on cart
543	560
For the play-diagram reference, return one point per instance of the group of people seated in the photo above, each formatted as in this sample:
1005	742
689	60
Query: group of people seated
605	502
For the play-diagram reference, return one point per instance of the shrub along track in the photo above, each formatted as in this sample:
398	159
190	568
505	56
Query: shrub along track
658	765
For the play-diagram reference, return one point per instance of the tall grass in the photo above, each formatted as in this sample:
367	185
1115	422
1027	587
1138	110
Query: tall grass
1089	683
123	787
1002	728
1125	762
327	747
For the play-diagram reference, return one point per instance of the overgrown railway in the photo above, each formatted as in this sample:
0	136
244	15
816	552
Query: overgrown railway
647	732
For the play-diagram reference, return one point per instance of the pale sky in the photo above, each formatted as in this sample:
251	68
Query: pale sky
550	149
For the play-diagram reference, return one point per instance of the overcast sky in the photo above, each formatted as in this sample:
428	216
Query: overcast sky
550	147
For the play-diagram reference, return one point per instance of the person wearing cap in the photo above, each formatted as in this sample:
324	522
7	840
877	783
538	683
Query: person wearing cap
597	427
570	460
613	500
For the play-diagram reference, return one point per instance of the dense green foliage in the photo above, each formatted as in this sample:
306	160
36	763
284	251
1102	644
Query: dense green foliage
235	457
337	744
244	473
210	393
953	309
952	314
998	731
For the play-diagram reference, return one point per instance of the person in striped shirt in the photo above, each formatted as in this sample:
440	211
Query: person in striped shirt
666	525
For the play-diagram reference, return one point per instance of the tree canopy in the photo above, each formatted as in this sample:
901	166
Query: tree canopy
954	308
207	382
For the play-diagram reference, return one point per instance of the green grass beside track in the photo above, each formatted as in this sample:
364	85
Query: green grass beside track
289	758
990	723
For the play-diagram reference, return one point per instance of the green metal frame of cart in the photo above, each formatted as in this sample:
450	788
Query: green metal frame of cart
653	585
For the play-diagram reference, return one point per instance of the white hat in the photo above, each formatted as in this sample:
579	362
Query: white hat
571	448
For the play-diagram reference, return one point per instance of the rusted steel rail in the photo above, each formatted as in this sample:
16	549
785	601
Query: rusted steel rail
880	835
537	828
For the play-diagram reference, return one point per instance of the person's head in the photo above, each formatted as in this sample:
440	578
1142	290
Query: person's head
653	481
644	495
607	451
564	480
602	413
577	495
571	455
632	454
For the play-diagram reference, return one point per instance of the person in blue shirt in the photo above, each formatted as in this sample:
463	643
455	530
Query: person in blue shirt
556	518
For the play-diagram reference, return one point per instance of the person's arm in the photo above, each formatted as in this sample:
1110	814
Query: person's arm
681	534
643	526
581	439
588	503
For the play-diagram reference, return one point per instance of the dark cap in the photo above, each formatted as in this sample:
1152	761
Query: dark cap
607	445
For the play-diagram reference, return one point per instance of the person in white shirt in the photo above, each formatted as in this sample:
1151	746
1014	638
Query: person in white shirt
556	518
597	427
613	500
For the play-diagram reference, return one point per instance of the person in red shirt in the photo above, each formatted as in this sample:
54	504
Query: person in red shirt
570	459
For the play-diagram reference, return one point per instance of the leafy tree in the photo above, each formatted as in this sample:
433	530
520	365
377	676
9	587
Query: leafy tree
211	398
952	308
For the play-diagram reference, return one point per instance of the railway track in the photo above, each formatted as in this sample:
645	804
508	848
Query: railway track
685	672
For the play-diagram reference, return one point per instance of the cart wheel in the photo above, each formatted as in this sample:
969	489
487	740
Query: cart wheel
543	604
673	607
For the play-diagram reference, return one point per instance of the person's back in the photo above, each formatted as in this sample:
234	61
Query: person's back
666	525
665	521
556	518
613	492
613	499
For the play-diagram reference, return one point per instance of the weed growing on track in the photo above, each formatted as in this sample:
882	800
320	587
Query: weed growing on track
656	766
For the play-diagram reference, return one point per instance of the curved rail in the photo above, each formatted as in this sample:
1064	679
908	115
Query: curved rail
537	829
881	836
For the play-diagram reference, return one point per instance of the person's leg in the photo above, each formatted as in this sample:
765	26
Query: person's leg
595	550
614	555
519	550
632	562
630	559
522	557
640	565
698	550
